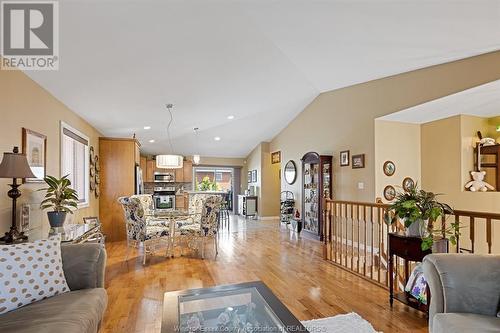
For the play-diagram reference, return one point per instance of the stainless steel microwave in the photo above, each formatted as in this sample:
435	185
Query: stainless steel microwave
164	177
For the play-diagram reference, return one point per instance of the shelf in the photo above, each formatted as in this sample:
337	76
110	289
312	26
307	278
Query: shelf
411	301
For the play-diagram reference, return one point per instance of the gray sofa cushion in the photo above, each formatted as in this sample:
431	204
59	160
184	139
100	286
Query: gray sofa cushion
465	322
76	311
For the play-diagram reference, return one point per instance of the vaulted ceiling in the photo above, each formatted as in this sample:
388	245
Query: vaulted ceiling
257	60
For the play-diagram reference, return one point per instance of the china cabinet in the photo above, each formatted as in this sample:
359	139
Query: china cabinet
316	186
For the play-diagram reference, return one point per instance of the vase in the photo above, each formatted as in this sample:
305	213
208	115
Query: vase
56	219
417	229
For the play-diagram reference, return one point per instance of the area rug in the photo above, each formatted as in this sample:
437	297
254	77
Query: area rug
345	323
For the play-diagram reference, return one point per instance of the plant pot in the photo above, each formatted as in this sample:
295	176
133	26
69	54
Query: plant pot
417	229
56	219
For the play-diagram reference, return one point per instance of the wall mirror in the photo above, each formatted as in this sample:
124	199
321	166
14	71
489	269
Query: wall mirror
290	172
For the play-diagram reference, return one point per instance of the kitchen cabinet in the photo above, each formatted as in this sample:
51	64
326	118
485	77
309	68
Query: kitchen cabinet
180	202
118	159
150	171
187	171
143	165
179	175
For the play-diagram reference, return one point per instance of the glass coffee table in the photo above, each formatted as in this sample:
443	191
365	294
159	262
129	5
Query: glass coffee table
247	308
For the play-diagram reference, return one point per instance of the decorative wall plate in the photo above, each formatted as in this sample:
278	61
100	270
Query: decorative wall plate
389	168
92	185
389	192
97	179
408	184
97	192
92	156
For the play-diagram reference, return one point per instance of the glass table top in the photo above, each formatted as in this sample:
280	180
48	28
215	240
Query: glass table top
228	311
69	232
247	307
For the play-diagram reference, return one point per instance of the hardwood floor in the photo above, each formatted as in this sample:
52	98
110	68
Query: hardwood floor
291	266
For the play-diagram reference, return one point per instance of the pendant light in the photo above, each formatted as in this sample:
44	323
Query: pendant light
196	157
171	161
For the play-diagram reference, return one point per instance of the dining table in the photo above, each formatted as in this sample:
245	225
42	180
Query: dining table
171	216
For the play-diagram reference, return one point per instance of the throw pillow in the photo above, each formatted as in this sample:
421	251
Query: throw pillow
30	272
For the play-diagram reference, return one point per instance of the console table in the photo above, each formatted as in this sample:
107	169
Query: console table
408	248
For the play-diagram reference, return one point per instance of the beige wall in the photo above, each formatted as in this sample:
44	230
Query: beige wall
254	162
270	205
447	158
23	103
399	143
343	119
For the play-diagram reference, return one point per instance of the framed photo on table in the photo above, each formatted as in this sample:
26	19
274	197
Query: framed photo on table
35	149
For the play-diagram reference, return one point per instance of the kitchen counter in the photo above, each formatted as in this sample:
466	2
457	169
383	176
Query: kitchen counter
205	192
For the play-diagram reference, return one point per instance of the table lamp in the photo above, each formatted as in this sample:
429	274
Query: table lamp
14	165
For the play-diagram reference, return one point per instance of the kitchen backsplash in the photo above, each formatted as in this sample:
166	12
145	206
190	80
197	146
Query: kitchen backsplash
149	187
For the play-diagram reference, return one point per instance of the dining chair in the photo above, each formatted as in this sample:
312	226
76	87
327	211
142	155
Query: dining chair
139	231
207	228
147	203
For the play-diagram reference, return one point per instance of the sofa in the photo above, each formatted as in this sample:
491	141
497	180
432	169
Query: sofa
465	292
80	310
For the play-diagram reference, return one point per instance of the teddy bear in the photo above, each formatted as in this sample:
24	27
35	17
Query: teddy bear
478	184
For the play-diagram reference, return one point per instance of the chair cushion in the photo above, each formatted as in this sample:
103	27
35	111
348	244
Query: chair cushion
191	230
156	231
75	311
464	322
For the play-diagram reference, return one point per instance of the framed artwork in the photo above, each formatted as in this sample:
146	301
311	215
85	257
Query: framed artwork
389	168
344	158
35	148
358	161
249	177
254	176
408	184
276	157
389	192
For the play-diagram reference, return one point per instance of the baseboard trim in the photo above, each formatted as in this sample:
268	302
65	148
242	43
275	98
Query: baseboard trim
269	217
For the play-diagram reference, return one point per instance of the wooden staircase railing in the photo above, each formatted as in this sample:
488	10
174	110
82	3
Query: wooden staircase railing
355	237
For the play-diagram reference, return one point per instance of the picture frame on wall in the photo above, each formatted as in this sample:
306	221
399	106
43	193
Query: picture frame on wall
344	158
254	176
358	161
276	157
249	177
35	149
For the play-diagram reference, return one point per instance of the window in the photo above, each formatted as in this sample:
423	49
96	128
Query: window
75	161
218	176
213	179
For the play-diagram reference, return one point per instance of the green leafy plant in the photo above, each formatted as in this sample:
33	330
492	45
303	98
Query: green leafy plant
207	185
417	206
60	197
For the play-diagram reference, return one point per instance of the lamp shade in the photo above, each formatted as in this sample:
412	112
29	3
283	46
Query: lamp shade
15	166
169	161
196	159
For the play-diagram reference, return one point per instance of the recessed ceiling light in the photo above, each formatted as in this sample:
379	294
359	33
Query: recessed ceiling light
147	127
231	117
151	141
217	138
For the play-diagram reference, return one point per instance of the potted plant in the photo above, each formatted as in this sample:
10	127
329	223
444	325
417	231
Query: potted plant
419	210
60	197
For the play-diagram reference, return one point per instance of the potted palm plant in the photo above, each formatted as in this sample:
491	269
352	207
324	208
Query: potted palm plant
419	210
59	197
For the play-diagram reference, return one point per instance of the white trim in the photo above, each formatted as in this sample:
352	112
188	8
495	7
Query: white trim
62	126
269	217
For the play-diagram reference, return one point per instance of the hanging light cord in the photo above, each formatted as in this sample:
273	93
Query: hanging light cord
169	108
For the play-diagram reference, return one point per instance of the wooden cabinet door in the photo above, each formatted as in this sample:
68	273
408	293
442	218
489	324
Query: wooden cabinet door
144	166
150	171
179	202
188	171
179	175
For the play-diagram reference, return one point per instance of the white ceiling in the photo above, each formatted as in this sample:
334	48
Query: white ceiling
481	101
261	61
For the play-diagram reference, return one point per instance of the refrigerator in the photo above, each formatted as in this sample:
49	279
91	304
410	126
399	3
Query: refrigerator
139	180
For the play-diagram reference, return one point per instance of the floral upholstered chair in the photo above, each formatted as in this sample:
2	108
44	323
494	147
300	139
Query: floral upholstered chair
139	231
147	203
207	228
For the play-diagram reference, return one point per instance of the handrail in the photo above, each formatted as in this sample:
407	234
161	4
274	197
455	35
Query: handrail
355	236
